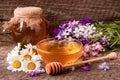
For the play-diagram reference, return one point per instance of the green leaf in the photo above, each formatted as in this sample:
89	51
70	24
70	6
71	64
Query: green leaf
111	31
117	22
114	43
118	34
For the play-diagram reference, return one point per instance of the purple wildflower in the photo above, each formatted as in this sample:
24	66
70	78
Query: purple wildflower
73	27
104	42
56	30
106	68
34	74
42	70
85	42
103	66
86	68
84	21
37	71
64	26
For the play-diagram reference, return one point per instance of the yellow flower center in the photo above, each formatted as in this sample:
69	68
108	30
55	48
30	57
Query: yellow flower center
27	57
31	66
16	64
34	51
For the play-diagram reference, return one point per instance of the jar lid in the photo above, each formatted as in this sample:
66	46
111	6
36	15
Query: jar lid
28	12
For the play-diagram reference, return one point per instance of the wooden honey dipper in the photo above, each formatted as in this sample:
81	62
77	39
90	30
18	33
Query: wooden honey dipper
54	68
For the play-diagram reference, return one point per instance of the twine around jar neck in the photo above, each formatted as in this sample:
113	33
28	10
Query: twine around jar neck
19	16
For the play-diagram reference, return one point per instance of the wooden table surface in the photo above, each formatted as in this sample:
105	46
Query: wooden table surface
78	74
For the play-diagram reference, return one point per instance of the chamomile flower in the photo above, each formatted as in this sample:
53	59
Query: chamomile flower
15	63
31	65
29	55
25	59
12	56
31	47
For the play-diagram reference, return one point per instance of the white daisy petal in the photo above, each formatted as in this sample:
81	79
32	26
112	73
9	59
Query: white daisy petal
15	65
25	60
18	47
29	55
31	65
30	46
11	57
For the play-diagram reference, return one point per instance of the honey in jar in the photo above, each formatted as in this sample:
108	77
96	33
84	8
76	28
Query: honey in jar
59	51
28	25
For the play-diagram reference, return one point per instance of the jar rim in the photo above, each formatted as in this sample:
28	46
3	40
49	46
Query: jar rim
58	53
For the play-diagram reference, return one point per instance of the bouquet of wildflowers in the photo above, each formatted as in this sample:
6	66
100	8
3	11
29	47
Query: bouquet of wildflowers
96	37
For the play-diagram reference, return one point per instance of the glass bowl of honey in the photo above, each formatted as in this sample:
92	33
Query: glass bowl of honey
62	51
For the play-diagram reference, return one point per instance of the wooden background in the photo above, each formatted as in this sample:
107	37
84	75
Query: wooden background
58	11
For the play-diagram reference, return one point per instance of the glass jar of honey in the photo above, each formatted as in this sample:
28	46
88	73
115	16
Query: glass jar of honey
28	25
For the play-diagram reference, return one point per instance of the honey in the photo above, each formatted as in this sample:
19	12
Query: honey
28	25
26	35
59	51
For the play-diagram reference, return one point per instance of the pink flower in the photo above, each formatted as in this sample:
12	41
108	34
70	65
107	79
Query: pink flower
93	45
99	47
86	48
84	54
94	53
